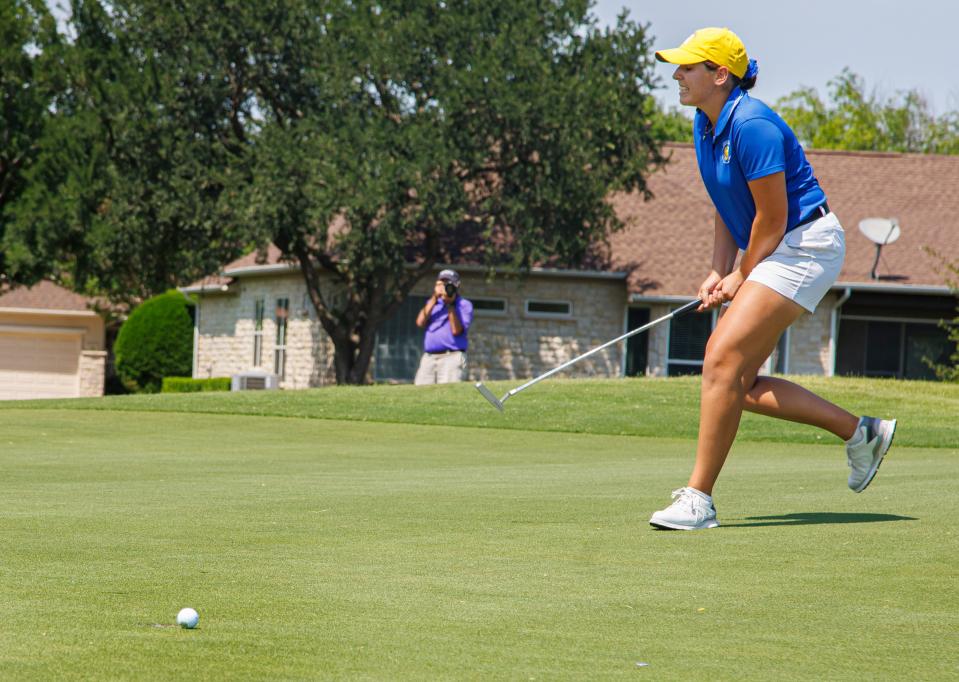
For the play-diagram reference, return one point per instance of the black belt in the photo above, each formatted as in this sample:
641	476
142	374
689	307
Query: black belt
817	213
442	352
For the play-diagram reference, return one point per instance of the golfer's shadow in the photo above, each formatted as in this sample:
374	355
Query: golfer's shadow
809	518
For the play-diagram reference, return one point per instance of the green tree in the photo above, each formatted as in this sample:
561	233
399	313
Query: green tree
124	196
28	43
673	124
855	119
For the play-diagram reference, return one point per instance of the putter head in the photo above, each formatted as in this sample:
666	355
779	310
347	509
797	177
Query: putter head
488	394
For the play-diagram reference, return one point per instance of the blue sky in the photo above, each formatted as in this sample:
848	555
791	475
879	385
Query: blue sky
895	45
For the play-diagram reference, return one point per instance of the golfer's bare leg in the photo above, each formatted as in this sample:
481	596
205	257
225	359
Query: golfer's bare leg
783	399
743	339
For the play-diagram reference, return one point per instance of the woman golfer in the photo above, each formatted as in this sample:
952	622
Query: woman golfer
770	205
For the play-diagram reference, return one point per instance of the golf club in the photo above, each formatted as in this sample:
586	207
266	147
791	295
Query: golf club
498	402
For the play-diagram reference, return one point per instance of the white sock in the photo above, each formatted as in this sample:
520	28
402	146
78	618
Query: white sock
708	498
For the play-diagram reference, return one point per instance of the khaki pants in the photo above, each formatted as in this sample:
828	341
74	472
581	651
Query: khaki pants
441	368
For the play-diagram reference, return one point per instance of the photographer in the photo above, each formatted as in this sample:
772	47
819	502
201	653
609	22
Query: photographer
446	318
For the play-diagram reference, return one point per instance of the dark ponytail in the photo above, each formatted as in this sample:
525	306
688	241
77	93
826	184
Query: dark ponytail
749	78
746	82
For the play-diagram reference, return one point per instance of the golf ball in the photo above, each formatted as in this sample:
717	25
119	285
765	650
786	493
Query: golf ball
187	618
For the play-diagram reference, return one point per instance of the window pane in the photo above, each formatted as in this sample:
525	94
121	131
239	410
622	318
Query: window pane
925	341
688	336
258	308
282	314
491	304
883	349
548	307
851	348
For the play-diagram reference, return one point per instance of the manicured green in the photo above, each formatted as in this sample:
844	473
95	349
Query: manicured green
190	385
637	407
342	549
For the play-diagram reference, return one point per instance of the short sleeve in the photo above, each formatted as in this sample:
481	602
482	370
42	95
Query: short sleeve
760	148
465	310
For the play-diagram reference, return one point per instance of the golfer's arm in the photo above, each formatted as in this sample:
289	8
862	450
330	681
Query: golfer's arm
769	226
424	315
456	325
724	248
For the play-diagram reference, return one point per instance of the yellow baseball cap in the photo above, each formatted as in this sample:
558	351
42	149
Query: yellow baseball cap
718	45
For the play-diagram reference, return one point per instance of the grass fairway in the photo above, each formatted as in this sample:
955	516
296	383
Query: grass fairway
339	548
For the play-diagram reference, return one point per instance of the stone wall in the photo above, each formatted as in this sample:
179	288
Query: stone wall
517	344
809	348
91	372
225	340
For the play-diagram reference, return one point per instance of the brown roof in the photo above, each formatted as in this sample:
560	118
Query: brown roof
45	296
667	243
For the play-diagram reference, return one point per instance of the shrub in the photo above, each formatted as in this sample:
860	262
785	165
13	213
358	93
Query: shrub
155	342
188	385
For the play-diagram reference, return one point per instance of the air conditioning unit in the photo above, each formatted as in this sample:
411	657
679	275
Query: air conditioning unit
254	380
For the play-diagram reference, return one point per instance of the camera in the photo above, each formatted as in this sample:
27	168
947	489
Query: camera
450	289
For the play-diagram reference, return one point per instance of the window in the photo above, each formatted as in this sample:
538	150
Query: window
495	307
637	347
687	344
893	335
279	352
399	343
891	348
549	309
259	307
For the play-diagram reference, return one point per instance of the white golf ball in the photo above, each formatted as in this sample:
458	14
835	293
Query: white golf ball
187	618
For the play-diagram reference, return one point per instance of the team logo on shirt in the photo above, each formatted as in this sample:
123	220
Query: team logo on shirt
726	153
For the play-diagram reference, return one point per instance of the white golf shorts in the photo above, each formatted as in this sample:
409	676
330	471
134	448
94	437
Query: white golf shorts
806	262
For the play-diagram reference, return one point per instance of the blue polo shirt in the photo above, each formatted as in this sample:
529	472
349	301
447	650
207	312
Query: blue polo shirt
751	141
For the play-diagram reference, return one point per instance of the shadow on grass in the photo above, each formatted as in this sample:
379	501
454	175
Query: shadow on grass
808	518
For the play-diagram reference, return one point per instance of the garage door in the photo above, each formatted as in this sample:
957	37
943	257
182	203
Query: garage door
39	366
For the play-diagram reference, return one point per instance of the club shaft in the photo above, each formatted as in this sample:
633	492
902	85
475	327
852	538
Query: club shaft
689	307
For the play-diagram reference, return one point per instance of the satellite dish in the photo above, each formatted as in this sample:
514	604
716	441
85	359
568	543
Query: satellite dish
880	231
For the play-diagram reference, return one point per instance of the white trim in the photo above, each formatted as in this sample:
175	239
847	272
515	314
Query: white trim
206	289
276	268
834	330
49	311
266	269
547	316
918	289
196	340
37	329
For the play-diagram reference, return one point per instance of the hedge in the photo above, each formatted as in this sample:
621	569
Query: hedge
155	342
188	385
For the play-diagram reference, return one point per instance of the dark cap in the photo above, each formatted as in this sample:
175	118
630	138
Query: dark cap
450	276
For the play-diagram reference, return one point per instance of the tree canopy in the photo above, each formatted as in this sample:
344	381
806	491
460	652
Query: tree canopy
855	119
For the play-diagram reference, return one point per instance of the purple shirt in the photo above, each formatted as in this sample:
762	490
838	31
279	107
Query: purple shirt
439	337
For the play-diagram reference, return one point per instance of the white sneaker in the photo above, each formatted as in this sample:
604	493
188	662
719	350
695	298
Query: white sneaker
872	440
690	510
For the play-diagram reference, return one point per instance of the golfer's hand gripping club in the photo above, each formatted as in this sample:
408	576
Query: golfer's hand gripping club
498	403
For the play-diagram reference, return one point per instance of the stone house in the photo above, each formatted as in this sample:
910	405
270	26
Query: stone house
256	315
51	344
